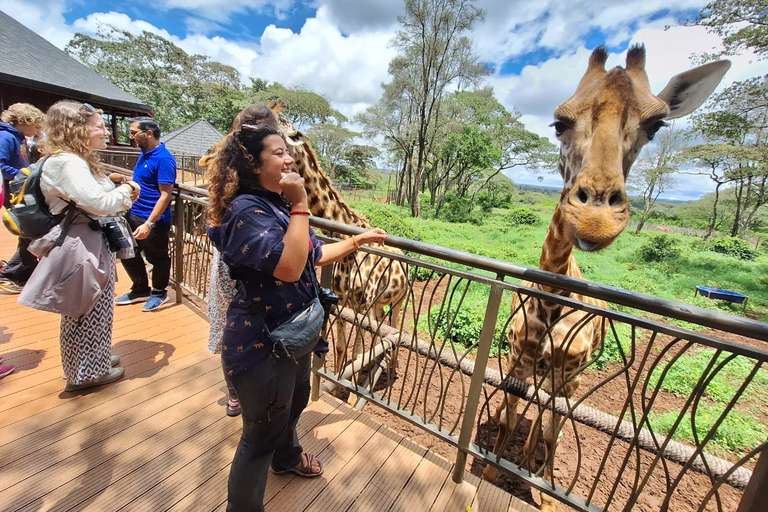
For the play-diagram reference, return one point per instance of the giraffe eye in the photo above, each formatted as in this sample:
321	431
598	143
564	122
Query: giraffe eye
560	126
654	127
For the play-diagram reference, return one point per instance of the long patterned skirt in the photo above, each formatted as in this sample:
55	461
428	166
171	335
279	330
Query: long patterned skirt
86	343
221	291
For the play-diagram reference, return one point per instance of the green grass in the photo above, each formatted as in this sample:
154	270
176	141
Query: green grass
738	433
683	376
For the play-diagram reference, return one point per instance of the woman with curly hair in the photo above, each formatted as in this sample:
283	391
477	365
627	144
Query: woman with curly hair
76	273
221	287
259	218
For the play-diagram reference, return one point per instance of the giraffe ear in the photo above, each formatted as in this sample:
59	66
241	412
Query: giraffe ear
297	138
687	91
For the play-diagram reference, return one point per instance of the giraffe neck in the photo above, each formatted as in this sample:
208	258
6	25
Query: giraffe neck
557	252
324	200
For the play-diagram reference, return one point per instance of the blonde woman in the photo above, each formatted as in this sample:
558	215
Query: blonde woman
76	273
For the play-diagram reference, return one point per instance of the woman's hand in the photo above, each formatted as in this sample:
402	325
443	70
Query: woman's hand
372	236
116	177
293	189
134	189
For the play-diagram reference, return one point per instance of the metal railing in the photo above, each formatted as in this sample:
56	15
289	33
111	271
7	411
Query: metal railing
650	427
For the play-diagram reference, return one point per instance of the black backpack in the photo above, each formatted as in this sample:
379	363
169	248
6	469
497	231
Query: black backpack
28	215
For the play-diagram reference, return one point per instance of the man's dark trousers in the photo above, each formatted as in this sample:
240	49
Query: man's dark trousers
155	249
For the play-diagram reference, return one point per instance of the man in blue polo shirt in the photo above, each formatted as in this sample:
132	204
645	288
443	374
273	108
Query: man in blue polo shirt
150	216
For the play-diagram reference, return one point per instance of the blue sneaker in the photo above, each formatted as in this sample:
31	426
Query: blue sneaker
131	298
155	302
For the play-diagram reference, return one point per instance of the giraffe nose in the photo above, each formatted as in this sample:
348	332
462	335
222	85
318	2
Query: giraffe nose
615	198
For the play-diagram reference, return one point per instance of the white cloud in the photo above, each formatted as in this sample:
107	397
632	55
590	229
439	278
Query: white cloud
343	51
347	70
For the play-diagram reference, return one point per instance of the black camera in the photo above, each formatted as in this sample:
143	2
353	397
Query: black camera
114	235
327	299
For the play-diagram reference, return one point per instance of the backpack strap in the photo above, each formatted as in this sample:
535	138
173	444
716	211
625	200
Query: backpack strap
71	210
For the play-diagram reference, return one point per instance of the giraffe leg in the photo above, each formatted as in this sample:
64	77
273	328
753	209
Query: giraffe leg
340	349
551	425
506	415
395	321
357	350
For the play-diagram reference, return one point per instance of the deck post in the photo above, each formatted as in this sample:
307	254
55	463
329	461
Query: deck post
477	383
318	362
755	497
178	241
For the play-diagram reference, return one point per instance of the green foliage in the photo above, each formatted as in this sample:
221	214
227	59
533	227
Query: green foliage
685	372
732	246
616	346
180	87
523	217
660	248
738	433
466	323
486	202
390	218
301	107
458	210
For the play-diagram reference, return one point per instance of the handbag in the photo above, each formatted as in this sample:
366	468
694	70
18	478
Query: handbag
298	336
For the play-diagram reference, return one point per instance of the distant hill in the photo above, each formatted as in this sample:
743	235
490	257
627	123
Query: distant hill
540	188
556	191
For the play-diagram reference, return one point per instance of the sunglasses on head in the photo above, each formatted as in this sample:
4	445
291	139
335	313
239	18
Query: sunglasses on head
88	107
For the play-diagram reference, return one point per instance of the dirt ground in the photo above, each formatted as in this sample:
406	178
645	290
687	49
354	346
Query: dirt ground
581	449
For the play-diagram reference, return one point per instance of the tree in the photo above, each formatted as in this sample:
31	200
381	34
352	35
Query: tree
331	142
510	143
434	54
301	107
742	25
181	88
737	123
358	160
652	173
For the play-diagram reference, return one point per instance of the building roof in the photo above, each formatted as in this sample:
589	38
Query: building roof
28	60
194	139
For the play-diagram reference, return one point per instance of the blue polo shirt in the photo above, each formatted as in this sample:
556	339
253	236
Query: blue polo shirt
153	168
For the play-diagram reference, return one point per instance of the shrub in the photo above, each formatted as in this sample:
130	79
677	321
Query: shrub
389	218
457	210
660	248
486	202
732	246
523	217
466	326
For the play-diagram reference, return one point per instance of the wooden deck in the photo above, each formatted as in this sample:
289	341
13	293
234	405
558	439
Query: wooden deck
159	440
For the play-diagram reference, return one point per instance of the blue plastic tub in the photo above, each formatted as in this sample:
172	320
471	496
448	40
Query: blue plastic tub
716	293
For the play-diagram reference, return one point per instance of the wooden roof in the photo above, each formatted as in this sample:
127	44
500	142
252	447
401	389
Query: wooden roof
32	67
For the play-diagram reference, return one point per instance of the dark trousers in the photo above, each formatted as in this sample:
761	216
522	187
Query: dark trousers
272	393
7	193
230	388
155	249
22	263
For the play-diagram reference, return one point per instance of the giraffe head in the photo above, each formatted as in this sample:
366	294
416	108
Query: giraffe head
603	127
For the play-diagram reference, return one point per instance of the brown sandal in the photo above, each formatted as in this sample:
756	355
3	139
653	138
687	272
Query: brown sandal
305	468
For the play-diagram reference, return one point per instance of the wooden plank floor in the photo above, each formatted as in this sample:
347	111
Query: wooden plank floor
158	440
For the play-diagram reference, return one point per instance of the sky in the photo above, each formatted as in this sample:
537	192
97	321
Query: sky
538	49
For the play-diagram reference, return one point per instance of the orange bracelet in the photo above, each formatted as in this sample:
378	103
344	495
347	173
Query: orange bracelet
354	241
299	212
